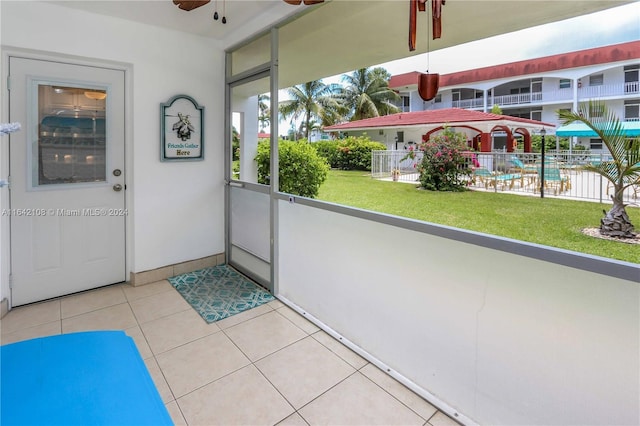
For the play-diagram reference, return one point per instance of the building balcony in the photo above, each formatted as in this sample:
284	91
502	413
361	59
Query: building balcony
609	90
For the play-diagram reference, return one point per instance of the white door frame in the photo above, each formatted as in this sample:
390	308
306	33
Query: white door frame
5	242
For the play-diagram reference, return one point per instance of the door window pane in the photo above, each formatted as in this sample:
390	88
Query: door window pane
71	143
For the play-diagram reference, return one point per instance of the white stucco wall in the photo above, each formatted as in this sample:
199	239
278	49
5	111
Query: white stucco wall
499	337
176	209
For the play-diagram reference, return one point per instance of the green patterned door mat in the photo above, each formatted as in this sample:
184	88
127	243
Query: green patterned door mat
219	292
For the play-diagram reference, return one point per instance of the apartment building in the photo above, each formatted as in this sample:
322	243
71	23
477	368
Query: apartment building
536	89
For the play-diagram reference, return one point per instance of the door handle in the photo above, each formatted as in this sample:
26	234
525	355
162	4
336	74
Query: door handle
117	187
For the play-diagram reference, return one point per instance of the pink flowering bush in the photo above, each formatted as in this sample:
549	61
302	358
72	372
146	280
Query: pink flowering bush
444	166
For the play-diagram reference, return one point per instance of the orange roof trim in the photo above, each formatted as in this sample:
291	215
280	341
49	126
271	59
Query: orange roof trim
580	58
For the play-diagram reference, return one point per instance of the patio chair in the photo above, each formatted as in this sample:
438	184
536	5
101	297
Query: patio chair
483	176
508	181
527	171
553	178
489	179
521	167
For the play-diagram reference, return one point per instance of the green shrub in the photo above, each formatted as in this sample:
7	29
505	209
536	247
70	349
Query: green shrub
302	170
328	150
352	153
444	166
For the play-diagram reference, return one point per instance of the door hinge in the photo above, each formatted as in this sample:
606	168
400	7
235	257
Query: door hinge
10	281
8	83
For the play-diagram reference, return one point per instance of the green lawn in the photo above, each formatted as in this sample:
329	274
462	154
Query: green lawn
547	221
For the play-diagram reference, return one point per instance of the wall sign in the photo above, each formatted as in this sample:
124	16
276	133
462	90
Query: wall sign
181	129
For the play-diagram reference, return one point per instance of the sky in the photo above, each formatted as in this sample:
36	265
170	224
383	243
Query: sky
611	26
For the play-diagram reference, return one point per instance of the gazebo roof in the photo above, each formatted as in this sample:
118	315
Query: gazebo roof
454	117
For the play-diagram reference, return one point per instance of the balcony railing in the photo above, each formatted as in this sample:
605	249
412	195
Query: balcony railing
561	95
521	98
468	103
605	90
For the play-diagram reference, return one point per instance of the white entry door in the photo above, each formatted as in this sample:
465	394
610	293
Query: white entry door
66	167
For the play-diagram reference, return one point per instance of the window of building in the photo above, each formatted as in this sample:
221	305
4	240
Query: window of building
631	79
595	143
406	101
631	73
596	80
632	110
536	85
438	99
565	83
536	115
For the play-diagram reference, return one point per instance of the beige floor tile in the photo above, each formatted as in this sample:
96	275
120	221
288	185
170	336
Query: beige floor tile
341	350
146	290
42	330
299	320
399	391
275	304
198	363
358	401
441	419
30	315
174	330
176	414
304	370
264	335
293	420
242	398
92	300
158	305
159	380
141	342
118	317
244	316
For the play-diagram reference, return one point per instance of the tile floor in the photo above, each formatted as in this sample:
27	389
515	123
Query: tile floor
266	366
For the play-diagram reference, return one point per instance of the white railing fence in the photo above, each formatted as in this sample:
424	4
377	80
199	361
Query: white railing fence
517	172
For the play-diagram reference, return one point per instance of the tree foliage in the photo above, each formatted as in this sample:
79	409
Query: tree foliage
351	153
313	101
367	93
302	170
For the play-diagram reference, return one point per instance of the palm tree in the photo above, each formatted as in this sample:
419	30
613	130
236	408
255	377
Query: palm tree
311	101
264	112
623	170
368	94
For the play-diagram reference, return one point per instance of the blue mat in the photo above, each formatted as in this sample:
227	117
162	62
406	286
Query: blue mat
89	378
219	292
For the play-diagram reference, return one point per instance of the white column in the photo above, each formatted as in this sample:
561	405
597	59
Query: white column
247	111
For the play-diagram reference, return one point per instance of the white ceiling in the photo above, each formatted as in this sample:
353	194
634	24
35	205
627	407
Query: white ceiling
342	35
199	21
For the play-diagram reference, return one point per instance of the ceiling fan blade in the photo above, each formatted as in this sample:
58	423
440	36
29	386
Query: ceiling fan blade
190	4
306	2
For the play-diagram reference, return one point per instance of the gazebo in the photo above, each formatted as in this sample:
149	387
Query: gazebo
479	125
